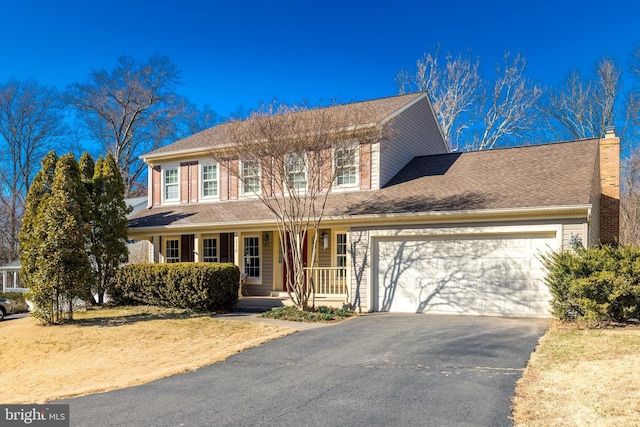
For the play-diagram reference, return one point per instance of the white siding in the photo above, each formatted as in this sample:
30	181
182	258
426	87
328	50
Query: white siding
416	133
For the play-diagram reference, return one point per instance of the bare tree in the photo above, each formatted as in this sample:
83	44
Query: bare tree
474	114
630	200
31	121
298	154
582	106
132	109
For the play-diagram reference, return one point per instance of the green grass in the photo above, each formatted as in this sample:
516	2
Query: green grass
321	314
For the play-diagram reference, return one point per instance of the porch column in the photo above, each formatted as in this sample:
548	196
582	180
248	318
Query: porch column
4	281
196	247
15	279
155	247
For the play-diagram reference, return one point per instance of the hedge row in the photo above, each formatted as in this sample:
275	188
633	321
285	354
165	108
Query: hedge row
195	286
595	284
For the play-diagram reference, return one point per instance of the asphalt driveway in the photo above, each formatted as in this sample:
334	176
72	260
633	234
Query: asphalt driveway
374	370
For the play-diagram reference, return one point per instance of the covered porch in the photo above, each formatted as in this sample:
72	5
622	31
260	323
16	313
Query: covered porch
11	277
259	256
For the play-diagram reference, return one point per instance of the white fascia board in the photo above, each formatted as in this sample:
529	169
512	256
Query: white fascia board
169	154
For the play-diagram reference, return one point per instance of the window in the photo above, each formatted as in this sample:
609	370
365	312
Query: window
252	256
251	177
210	181
296	176
209	250
172	253
346	164
341	253
171	184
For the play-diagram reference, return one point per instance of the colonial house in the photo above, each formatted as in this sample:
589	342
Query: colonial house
413	228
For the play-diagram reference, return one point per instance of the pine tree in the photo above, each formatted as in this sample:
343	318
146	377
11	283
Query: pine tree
30	236
109	224
57	244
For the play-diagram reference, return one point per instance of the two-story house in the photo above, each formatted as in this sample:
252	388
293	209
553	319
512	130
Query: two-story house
412	228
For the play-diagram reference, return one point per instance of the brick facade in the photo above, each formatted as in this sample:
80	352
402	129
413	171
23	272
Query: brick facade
610	186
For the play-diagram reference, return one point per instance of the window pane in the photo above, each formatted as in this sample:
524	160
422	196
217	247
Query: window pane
210	181
345	162
172	253
251	177
210	250
251	262
171	184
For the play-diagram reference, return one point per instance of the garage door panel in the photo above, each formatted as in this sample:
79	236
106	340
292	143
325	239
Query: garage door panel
490	275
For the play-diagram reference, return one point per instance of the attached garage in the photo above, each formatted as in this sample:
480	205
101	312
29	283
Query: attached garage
481	271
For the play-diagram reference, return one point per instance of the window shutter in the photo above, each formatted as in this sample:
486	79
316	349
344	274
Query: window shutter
156	185
365	166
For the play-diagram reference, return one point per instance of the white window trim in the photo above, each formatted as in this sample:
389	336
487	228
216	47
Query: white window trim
248	192
164	184
166	257
202	195
304	171
356	160
253	280
217	239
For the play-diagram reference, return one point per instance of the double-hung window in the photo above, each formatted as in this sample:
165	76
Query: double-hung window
171	184
209	250
296	174
346	164
251	177
252	257
210	181
172	252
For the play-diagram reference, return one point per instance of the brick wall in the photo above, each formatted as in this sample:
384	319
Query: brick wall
610	185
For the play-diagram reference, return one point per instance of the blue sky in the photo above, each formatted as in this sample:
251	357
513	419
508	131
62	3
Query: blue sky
240	54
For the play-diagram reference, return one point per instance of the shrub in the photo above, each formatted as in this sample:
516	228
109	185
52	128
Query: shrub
194	286
595	284
321	314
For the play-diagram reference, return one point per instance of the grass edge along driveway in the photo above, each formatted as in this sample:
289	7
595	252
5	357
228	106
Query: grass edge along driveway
108	349
581	377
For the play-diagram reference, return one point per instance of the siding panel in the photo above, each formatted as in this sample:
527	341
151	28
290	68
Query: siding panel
416	133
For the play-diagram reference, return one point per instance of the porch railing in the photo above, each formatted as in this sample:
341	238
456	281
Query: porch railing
329	280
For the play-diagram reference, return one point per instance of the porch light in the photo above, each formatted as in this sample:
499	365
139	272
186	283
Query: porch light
265	238
325	238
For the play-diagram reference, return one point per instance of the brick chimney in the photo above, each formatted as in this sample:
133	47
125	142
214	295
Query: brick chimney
609	186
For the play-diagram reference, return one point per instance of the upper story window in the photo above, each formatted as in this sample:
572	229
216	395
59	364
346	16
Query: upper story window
346	164
250	177
171	190
296	172
209	181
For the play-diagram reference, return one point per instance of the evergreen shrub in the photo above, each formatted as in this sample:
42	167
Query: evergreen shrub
194	286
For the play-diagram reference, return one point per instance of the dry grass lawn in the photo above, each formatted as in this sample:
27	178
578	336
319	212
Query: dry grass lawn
110	349
581	377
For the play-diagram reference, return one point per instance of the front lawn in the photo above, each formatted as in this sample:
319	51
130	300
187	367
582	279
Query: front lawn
581	377
107	349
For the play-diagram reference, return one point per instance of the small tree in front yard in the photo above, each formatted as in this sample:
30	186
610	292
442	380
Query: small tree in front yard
108	227
289	158
56	248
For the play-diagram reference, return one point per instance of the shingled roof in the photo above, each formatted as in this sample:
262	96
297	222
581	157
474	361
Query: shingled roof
536	176
374	111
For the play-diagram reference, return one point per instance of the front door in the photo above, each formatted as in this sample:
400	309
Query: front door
226	247
288	278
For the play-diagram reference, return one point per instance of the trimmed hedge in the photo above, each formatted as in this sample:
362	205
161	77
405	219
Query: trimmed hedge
194	286
595	284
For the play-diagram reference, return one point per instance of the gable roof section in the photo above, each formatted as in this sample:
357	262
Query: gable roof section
536	176
374	111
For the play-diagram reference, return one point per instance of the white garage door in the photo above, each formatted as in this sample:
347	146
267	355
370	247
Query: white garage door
493	275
